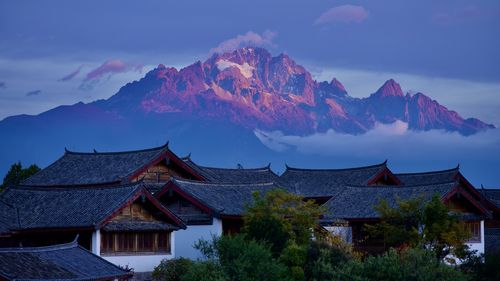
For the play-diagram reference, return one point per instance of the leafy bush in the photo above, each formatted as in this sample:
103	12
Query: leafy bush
171	270
240	259
205	271
409	264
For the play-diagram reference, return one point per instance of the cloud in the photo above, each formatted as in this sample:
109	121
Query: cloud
3	85
71	75
33	93
248	39
107	70
386	140
343	14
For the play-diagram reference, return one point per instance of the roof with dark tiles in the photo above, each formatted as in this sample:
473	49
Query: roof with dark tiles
70	207
223	199
432	177
238	175
327	182
493	195
57	262
358	202
81	168
492	240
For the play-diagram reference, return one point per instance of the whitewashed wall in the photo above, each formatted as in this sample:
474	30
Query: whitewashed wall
479	247
186	238
345	232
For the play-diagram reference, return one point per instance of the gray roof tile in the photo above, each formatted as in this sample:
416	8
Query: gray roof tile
79	168
326	182
43	207
432	177
223	199
358	202
58	262
237	175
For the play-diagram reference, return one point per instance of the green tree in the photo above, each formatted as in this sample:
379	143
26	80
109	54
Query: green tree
279	218
421	224
238	258
408	264
171	270
17	173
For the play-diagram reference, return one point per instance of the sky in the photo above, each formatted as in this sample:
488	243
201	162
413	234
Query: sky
62	52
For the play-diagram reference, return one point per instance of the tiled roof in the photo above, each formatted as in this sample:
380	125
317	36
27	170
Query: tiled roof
492	240
223	199
428	177
358	202
493	195
137	225
326	182
79	168
43	207
237	175
58	262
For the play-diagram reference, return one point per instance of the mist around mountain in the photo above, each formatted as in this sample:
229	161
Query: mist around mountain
220	109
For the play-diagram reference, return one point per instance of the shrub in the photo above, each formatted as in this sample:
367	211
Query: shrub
171	270
409	264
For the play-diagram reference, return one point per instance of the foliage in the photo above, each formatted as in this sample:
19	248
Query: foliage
408	264
17	173
285	217
205	271
323	258
241	259
416	223
482	267
172	270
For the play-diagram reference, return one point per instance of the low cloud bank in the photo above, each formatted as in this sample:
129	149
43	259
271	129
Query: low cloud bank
384	140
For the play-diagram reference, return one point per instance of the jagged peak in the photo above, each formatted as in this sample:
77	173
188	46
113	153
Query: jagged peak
336	83
390	89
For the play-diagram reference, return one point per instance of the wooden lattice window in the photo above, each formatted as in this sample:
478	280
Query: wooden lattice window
475	231
135	242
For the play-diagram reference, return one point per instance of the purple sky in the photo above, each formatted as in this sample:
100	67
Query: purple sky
73	51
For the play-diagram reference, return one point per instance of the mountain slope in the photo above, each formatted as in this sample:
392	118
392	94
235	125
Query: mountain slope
252	89
212	109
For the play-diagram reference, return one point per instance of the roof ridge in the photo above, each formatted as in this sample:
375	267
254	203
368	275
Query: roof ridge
117	152
69	245
457	168
174	179
383	164
402	186
264	168
75	187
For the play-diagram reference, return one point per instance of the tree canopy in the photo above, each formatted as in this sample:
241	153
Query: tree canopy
418	223
17	173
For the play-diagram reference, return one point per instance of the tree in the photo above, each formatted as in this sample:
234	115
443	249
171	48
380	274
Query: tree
421	224
282	219
17	173
407	264
237	258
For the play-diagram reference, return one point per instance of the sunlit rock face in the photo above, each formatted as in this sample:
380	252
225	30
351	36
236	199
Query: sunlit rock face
251	88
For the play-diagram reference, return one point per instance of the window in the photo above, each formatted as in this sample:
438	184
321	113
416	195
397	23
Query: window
135	242
475	231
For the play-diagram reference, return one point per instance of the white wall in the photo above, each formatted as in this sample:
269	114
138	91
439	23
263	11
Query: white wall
186	238
479	247
345	232
96	242
140	263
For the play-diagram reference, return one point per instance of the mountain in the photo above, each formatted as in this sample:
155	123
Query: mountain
213	107
253	89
